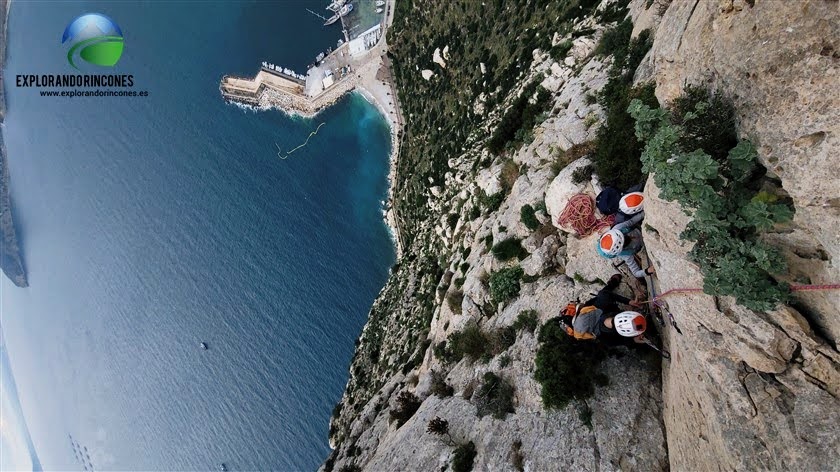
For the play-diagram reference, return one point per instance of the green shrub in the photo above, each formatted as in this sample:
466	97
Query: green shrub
519	118
462	460
708	123
615	40
452	220
566	369
476	344
439	387
454	299
527	320
471	342
528	216
508	249
474	213
490	203
459	282
559	51
722	194
616	160
582	174
407	405
504	284
585	415
443	353
494	397
504	361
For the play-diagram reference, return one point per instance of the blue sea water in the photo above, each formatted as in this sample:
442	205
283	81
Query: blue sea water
152	224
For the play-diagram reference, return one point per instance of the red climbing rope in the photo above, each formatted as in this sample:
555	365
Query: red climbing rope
794	288
797	288
579	215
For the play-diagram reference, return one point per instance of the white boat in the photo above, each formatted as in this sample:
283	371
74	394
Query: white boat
379	10
380	3
336	5
344	10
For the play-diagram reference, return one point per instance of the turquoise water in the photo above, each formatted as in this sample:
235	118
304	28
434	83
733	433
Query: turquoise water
152	224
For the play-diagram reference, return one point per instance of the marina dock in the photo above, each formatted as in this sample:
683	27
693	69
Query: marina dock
356	59
358	63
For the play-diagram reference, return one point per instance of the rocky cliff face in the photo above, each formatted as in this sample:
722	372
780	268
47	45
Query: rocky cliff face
625	431
748	390
744	390
10	254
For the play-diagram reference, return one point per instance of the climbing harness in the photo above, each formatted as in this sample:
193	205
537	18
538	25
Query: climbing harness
579	215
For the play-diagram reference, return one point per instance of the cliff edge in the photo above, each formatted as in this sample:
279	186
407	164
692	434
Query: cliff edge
458	367
746	389
10	254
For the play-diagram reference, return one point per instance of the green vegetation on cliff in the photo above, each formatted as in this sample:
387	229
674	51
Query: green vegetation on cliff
697	160
487	65
441	122
566	369
616	159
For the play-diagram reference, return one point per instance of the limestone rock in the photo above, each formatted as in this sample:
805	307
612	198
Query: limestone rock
488	180
438	59
543	258
584	264
562	188
728	355
775	60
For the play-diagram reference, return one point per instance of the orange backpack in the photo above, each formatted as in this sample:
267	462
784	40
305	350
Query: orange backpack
583	321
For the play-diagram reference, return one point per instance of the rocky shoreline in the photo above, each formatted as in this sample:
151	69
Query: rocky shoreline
10	256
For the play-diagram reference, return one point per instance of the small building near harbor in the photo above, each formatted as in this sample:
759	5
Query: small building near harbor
328	80
365	41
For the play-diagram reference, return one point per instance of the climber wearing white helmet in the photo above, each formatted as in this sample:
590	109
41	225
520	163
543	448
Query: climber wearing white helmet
624	240
615	329
632	203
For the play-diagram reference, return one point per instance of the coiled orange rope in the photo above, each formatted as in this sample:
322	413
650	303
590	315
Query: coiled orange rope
579	215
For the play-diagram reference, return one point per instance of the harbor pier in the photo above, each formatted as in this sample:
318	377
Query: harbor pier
355	61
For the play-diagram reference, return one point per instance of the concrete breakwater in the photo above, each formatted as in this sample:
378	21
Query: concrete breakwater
321	88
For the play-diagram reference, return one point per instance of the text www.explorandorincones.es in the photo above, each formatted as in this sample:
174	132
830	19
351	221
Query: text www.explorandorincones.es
94	93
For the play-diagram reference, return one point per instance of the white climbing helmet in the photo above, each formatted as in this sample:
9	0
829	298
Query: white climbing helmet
632	203
630	323
611	243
